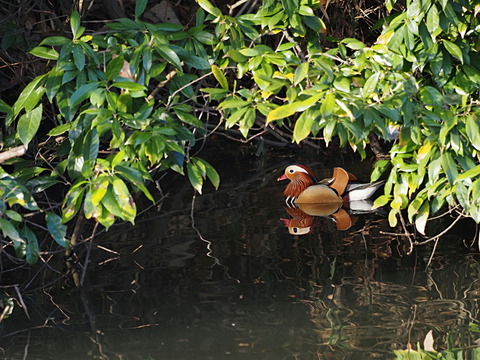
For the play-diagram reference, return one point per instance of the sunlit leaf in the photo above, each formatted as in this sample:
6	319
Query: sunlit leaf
453	49
392	217
124	199
44	53
209	8
353	44
134	176
449	166
300	73
109	201
328	104
9	231
371	84
127	85
195	176
222	80
28	124
422	217
30	95
290	109
475	171
303	126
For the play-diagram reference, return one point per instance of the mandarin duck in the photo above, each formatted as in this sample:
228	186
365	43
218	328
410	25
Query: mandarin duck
304	188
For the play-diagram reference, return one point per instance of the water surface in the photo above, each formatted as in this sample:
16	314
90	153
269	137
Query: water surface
218	276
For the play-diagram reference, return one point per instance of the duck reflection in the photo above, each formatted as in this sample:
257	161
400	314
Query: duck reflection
304	217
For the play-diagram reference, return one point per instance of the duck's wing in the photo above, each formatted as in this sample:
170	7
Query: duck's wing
339	180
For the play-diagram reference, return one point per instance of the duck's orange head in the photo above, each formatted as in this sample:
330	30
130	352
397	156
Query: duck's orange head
300	176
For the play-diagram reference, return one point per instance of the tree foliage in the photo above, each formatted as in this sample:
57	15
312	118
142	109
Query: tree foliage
127	102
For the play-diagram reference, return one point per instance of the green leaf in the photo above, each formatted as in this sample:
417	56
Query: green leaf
433	21
290	109
237	56
55	41
127	85
300	73
44	53
453	49
397	38
188	118
60	129
380	167
28	124
236	116
169	55
353	44
7	109
113	67
78	57
380	201
124	200
235	103
140	6
472	129
32	249
82	93
195	176
30	95
328	104
134	176
109	201
449	166
371	84
8	230
247	122
392	217
290	6
99	189
422	217
57	229
54	81
77	30
73	200
222	80
209	8
13	215
469	174
91	145
303	126
210	171
342	83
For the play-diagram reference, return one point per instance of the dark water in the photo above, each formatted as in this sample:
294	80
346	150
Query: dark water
218	276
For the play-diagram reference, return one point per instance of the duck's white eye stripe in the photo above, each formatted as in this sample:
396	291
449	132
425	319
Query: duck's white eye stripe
294	168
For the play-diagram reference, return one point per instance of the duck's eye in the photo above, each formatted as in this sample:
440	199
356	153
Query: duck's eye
295	230
291	171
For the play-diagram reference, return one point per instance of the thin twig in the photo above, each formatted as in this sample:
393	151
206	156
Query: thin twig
433	251
20	298
434	238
